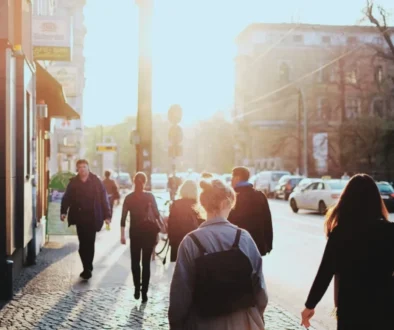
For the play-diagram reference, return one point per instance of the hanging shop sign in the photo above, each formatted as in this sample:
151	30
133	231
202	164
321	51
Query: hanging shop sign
52	38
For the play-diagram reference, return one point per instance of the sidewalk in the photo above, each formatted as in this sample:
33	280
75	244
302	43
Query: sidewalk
50	294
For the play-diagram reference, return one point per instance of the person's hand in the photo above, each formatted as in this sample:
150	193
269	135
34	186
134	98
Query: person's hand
306	315
107	221
63	217
123	240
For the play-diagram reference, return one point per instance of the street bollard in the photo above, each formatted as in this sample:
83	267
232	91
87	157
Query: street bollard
7	288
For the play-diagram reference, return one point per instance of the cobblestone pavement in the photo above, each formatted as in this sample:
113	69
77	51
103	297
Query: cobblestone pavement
49	295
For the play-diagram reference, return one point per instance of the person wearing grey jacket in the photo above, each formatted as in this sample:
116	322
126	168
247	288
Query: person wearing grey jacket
216	234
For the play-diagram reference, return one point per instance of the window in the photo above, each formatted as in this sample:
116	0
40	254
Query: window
378	41
351	40
326	40
284	73
353	107
378	108
298	38
379	75
324	109
28	132
351	76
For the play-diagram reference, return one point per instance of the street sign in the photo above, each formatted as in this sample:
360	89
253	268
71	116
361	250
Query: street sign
175	134
175	114
106	148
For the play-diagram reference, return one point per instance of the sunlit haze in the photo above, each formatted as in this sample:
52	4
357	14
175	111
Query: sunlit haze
193	50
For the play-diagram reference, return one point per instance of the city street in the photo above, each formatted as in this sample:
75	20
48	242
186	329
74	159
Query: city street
51	296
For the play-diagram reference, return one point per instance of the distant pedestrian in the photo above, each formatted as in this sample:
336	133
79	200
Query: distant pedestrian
218	281
86	203
173	185
141	205
112	190
345	176
184	216
360	254
252	211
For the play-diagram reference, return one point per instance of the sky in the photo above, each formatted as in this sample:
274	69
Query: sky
193	49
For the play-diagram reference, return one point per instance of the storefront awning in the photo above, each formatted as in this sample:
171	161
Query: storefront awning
50	92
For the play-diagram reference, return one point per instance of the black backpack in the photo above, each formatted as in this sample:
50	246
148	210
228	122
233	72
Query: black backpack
223	281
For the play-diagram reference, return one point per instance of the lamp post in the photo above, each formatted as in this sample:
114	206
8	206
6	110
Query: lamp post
144	113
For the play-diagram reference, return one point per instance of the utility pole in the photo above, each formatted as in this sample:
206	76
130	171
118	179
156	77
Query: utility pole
144	114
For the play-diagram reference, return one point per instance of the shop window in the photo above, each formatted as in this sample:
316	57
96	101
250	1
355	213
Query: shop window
28	136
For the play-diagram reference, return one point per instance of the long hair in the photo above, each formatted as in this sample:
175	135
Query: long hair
139	182
188	190
360	203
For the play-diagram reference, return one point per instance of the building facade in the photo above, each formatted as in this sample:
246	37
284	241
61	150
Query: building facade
30	99
66	137
17	112
298	86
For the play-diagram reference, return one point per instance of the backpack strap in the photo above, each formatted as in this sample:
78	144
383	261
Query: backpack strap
198	243
237	237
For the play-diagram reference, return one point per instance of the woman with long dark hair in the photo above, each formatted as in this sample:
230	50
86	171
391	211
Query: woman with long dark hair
143	233
360	254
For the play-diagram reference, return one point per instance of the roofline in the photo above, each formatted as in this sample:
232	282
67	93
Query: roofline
287	26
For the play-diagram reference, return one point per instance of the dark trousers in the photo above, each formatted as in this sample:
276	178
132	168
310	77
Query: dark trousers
87	238
136	251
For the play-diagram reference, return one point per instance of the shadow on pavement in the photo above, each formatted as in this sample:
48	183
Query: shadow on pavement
52	253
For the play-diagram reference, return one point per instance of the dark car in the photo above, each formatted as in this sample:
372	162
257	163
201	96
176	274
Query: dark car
286	186
387	194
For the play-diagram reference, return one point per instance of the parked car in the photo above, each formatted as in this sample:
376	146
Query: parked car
159	181
387	194
266	181
124	180
252	180
286	186
317	196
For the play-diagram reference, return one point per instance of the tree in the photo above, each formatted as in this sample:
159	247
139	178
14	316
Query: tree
383	28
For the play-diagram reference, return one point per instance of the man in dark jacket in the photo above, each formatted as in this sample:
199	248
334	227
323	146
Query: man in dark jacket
112	190
251	211
86	203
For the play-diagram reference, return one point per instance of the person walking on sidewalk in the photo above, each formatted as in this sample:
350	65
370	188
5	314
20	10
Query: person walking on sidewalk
184	216
86	203
143	233
233	295
360	254
112	190
251	211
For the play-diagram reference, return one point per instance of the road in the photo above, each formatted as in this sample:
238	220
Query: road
290	269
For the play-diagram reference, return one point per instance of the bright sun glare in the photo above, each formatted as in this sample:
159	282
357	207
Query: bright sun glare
193	50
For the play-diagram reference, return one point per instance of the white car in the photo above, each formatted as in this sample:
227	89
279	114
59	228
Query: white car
159	181
317	196
266	181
